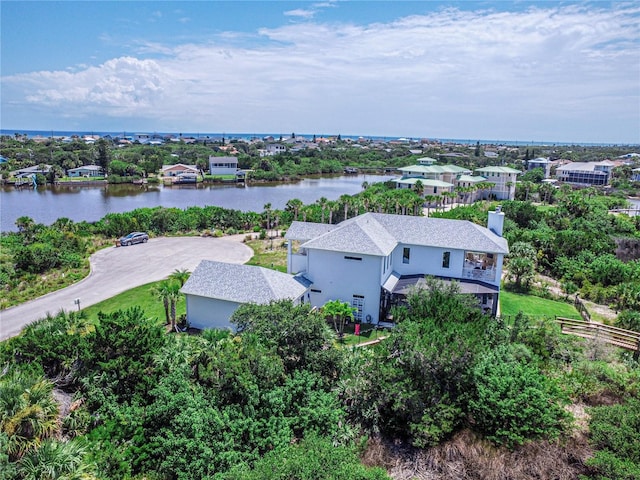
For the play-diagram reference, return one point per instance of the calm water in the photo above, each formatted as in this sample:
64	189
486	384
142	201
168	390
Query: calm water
46	205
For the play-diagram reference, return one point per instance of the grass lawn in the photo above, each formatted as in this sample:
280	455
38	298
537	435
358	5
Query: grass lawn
368	332
140	296
269	254
512	303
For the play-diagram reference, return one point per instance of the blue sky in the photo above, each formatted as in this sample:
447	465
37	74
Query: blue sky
542	71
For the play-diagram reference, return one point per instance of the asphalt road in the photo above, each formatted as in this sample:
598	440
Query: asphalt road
115	270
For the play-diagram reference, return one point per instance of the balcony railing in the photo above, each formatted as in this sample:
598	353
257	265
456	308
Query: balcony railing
478	273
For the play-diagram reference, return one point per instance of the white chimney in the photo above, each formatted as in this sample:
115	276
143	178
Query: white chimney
496	221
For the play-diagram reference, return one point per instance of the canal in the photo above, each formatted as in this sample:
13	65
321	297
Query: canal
47	204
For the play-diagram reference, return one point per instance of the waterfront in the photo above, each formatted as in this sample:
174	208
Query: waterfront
47	204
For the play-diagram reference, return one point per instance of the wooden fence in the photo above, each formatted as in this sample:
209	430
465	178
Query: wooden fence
614	336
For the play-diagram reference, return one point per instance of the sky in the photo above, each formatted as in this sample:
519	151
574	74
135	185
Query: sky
508	71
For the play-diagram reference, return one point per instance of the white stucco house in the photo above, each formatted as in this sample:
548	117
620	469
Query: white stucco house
215	290
371	260
223	165
503	178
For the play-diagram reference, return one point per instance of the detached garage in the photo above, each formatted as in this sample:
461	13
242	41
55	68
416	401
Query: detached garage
215	290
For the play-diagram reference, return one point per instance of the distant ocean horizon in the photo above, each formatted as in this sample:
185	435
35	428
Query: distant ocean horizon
247	136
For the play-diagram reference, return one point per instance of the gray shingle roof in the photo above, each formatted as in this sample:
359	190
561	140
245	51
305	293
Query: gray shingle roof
307	230
379	233
362	234
243	283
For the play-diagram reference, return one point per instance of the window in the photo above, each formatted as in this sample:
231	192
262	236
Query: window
406	253
446	256
358	304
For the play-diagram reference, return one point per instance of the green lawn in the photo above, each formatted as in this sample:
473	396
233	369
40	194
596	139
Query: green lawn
512	303
269	254
140	296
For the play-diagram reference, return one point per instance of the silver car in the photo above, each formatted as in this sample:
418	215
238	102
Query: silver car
133	237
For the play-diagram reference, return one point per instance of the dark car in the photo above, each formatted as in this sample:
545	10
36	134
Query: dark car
134	237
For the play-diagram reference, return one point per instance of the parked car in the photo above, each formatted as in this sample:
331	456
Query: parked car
133	237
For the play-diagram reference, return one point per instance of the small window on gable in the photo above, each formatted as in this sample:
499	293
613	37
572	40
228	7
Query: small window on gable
446	257
406	254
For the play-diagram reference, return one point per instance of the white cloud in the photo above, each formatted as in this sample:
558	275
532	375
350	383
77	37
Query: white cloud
560	73
300	12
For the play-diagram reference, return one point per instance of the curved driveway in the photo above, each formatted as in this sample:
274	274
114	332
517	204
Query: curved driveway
114	270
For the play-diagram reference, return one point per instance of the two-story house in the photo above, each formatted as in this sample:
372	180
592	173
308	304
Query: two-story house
585	173
371	260
435	179
504	181
223	165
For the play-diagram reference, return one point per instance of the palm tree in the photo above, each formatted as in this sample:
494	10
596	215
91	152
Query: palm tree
339	312
56	460
267	211
346	201
331	206
294	205
28	412
161	292
322	201
419	187
174	298
429	200
180	275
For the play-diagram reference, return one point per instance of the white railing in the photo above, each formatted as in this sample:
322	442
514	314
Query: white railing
477	273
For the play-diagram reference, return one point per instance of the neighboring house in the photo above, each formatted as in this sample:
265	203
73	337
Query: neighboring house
504	180
223	165
467	182
436	179
635	175
585	173
540	162
426	161
85	171
179	169
274	149
215	290
370	261
444	173
141	137
430	186
27	172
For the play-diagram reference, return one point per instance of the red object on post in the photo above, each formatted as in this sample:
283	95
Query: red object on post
357	332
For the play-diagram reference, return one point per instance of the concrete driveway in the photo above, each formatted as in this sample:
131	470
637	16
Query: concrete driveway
114	270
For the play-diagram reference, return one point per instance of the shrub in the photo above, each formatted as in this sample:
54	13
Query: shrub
614	431
513	401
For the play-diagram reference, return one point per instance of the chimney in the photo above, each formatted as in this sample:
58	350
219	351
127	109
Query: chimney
495	222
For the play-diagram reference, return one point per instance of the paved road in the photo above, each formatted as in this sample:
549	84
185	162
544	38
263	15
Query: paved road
114	270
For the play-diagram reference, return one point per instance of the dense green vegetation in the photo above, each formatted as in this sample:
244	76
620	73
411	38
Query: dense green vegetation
280	399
